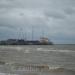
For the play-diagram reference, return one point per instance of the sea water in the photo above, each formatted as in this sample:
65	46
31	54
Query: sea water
37	60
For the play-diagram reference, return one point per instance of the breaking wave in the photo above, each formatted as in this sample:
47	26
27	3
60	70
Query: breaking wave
33	69
36	67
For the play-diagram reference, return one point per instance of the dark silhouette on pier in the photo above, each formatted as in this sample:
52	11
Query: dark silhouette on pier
43	41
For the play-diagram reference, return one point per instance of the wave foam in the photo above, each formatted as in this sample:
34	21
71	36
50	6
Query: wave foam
7	74
35	67
40	49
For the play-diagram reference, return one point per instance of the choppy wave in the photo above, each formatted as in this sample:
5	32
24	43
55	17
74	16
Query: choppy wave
41	49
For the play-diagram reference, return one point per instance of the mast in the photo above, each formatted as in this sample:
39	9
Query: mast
19	33
32	33
22	36
25	35
42	31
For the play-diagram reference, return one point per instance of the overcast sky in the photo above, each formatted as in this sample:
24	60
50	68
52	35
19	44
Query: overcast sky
54	19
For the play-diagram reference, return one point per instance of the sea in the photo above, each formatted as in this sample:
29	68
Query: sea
37	60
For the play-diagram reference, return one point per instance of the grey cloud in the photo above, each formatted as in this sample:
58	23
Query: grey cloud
69	11
56	16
